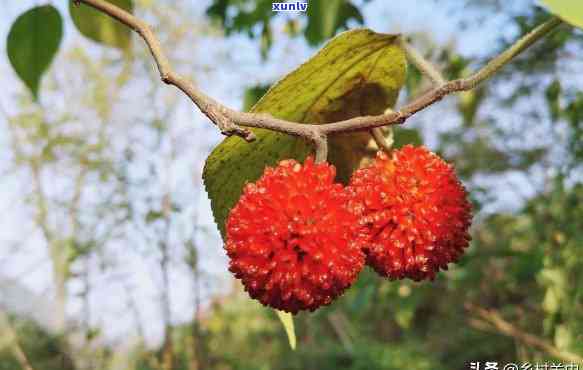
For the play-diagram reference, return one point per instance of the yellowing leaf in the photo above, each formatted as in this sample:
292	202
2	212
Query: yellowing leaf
357	73
569	10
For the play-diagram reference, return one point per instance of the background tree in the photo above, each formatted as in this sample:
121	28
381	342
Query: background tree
106	162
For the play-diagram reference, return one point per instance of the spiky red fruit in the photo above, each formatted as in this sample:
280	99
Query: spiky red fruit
291	238
416	212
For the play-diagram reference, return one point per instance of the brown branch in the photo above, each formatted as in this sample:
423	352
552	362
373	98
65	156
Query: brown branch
321	145
379	137
230	122
215	111
383	142
493	318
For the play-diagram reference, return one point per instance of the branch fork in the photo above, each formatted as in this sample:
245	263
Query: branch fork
226	125
231	122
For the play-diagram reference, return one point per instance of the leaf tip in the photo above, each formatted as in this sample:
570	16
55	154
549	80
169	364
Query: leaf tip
288	323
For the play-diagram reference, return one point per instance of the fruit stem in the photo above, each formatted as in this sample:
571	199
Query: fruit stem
321	145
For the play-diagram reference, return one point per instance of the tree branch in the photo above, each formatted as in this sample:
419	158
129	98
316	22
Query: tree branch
518	47
493	318
422	64
216	112
382	142
231	122
321	145
11	339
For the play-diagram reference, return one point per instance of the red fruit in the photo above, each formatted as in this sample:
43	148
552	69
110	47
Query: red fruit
415	210
291	238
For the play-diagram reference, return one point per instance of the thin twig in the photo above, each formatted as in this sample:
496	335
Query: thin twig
230	122
216	112
379	137
493	318
421	63
11	339
382	142
321	145
436	94
518	47
338	321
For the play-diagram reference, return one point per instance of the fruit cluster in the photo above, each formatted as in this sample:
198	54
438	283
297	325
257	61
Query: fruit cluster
297	239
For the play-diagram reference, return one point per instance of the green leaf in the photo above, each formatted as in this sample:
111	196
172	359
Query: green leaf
363	298
241	16
252	96
469	103
568	10
357	73
218	10
33	42
327	18
101	27
288	323
324	18
403	136
553	93
266	39
153	216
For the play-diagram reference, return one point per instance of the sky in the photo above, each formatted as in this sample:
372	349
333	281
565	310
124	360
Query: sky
223	68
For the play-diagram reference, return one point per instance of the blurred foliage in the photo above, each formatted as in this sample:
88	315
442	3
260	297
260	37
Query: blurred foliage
525	262
528	266
43	350
252	96
326	18
254	17
100	27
